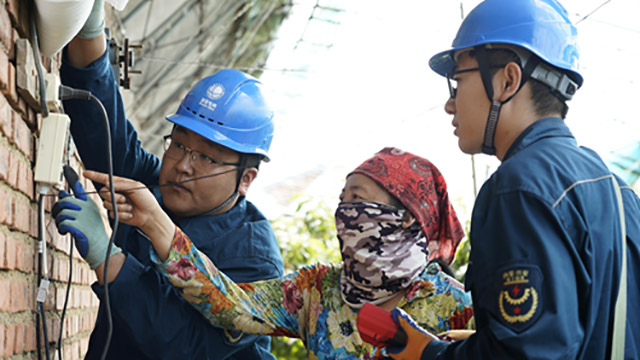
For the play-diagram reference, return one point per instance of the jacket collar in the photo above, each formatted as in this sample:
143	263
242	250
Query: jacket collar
543	128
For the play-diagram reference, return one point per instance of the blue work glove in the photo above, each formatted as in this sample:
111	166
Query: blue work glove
417	337
80	217
94	25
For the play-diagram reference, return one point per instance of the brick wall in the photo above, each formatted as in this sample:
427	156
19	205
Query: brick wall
19	128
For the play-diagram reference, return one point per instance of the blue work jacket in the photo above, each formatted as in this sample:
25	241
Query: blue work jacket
150	319
546	255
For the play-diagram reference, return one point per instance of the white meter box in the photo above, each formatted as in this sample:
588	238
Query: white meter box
51	149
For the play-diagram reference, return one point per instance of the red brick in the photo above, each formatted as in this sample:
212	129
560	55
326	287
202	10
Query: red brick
4	70
19	15
34	224
4	166
5	207
53	328
75	352
19	262
10	252
19	299
58	241
22	137
29	259
6	117
84	345
18	346
12	173
5	300
6	31
30	189
10	91
30	336
24	175
13	6
2	347
21	216
9	339
3	246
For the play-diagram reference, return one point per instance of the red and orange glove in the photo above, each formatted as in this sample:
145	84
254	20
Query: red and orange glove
417	337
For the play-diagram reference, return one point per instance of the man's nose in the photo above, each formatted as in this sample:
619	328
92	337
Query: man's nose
450	106
186	163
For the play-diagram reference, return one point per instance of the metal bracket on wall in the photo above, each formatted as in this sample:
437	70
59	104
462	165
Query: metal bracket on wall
121	58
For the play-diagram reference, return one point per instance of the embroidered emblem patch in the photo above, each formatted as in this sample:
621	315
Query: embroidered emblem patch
519	297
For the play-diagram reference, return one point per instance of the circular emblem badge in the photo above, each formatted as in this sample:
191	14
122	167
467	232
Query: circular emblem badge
215	91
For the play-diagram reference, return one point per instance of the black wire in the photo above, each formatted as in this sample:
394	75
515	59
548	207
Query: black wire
38	342
160	185
33	39
70	93
71	245
114	227
44	330
66	299
40	314
38	336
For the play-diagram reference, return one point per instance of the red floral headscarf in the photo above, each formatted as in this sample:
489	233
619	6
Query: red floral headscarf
420	187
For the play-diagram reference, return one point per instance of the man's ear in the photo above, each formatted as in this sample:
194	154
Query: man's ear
407	219
248	176
509	81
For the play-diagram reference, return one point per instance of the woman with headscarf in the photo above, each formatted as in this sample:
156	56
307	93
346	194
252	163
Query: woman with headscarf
393	217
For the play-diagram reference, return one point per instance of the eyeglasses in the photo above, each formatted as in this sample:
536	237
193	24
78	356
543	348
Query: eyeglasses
199	161
453	90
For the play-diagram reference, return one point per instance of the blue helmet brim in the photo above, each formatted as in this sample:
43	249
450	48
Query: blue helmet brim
203	129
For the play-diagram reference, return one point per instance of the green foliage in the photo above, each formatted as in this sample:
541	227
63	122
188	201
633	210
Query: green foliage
306	237
459	264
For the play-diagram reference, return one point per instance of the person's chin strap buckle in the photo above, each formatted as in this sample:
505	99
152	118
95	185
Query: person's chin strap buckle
559	82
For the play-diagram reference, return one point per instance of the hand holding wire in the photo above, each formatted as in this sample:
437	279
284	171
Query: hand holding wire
135	203
137	206
80	216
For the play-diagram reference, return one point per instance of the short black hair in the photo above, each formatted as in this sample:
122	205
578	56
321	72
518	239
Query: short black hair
544	101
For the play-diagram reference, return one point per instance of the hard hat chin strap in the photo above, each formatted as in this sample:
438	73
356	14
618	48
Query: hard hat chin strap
223	205
488	146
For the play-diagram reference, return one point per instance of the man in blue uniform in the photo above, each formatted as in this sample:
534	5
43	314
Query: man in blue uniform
223	128
547	246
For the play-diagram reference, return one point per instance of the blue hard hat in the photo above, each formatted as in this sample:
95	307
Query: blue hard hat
539	26
229	108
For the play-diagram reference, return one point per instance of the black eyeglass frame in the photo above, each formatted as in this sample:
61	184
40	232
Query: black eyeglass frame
168	140
453	91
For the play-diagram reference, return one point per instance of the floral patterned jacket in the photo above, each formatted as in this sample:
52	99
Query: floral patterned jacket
306	304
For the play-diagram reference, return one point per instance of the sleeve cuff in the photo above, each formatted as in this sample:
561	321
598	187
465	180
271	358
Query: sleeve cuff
130	272
433	349
180	244
91	72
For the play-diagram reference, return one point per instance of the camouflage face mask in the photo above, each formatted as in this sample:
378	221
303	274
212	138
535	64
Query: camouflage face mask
380	257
